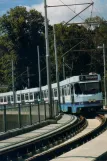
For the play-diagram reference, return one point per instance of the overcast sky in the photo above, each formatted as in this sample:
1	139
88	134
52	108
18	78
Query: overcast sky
57	15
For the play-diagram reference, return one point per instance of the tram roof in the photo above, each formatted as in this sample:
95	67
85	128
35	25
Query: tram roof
74	79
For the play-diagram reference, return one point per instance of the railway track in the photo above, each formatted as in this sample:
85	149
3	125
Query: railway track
56	151
38	146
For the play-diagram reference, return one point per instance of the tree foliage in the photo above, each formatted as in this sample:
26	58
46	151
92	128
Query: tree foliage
25	30
21	31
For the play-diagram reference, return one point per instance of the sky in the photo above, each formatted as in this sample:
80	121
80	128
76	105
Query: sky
57	15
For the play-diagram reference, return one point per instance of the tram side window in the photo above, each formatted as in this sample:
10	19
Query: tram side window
55	92
77	89
12	98
8	98
26	96
68	90
72	89
18	97
4	99
1	99
47	93
36	95
22	97
31	96
60	91
65	91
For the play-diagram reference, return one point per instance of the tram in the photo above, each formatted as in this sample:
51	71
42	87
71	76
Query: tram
77	93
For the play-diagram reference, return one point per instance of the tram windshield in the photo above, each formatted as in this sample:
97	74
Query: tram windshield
88	88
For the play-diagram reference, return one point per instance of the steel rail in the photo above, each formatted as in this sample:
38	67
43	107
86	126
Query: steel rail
37	146
57	151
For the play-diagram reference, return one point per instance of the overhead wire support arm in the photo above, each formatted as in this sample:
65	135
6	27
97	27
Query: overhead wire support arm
79	12
68	66
70	5
83	23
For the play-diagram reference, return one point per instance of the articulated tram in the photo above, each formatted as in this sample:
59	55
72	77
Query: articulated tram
77	93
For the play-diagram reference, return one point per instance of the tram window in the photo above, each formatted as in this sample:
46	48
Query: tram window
26	96
36	95
77	89
12	98
47	94
4	99
31	96
22	97
71	89
68	90
8	98
60	91
55	92
1	99
18	97
65	91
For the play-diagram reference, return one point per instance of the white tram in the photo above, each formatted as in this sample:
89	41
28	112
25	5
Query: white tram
77	93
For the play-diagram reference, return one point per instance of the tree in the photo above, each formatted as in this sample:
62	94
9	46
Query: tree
25	30
6	55
67	37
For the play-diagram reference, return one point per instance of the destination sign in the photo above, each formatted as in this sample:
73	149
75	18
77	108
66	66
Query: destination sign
88	77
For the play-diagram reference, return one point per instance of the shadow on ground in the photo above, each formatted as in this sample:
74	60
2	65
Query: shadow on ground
102	157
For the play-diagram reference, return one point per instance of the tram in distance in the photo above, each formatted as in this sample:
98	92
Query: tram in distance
77	93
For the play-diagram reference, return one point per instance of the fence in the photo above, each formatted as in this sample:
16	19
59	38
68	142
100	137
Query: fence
25	114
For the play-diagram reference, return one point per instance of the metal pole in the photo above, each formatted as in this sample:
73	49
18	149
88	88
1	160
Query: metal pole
48	61
39	70
63	68
13	85
56	62
28	77
104	74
